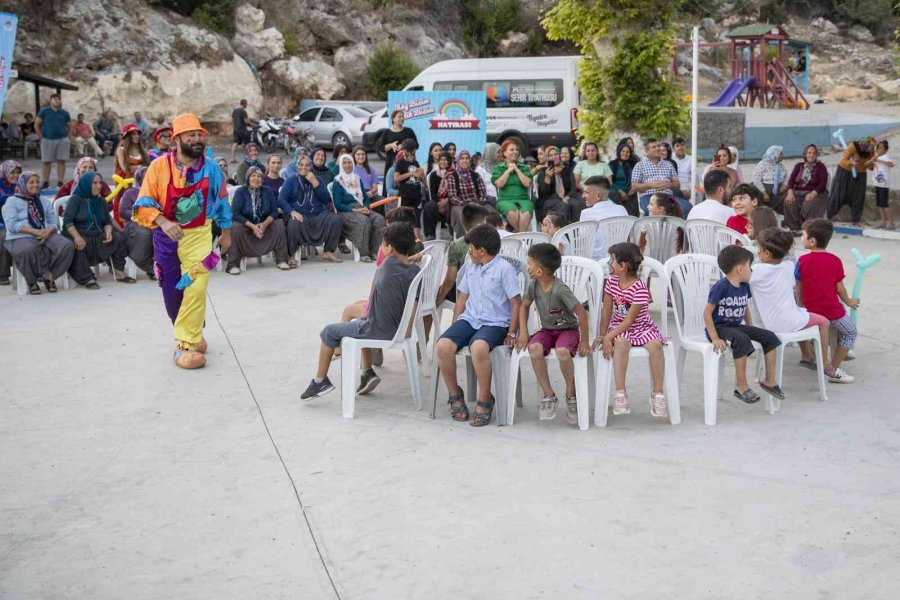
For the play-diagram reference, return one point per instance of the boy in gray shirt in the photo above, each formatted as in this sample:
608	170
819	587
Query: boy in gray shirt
386	303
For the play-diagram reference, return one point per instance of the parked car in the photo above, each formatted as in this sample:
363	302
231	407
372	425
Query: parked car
335	124
378	122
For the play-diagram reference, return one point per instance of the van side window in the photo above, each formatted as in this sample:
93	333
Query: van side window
522	93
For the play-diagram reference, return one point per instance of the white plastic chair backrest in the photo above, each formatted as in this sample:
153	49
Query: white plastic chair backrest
584	277
691	276
436	250
614	230
661	236
511	247
578	238
702	236
727	236
529	238
521	271
59	207
411	308
330	187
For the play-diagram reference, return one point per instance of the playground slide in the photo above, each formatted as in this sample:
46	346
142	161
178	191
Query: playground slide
731	92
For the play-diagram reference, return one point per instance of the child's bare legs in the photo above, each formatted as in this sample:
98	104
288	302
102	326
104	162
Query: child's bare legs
655	349
357	310
567	366
621	348
325	356
770	380
539	363
481	360
806	351
446	358
839	355
740	374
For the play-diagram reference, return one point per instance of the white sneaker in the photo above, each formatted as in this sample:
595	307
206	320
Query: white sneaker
658	406
840	376
572	410
620	404
234	271
547	409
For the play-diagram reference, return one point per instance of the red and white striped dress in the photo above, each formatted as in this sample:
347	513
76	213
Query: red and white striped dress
643	329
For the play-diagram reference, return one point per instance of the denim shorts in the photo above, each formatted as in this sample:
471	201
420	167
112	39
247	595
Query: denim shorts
463	334
333	334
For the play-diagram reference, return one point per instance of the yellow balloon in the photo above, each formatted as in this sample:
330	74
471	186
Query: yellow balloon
121	184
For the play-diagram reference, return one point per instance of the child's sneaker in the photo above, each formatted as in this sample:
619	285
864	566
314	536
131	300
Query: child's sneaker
839	376
572	410
547	410
620	404
368	382
317	389
658	406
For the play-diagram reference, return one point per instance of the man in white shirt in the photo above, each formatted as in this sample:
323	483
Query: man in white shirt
599	207
716	186
685	166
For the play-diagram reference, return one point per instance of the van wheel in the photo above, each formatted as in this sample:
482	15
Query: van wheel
520	142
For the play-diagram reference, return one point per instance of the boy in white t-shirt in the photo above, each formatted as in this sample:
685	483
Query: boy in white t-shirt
883	165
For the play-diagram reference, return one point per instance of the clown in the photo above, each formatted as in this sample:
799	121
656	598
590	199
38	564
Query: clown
162	138
182	193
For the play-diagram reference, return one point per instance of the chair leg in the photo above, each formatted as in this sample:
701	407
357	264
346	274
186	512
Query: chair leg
513	385
603	371
711	362
349	361
679	366
422	343
820	369
500	375
471	381
671	383
582	392
436	379
519	403
412	367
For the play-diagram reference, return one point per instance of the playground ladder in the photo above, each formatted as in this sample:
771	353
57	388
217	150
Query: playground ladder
784	90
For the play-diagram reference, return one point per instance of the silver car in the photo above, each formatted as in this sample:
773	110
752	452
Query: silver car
335	124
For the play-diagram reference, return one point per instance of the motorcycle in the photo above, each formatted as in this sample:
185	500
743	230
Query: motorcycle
269	134
296	135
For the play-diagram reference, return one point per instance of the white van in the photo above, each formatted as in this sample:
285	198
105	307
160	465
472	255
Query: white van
533	100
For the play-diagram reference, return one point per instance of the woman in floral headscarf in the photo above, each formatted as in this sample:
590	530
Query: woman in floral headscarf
770	178
849	186
32	235
806	195
256	229
9	176
82	166
362	226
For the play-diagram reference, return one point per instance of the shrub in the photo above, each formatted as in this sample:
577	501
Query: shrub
217	15
390	69
486	22
877	15
291	42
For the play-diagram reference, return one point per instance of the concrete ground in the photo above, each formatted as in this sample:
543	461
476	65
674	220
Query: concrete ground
127	477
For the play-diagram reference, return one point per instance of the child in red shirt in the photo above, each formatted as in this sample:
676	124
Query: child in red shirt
820	289
744	198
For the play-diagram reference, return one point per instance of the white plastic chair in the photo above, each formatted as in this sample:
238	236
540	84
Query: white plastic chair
729	237
649	267
578	238
404	340
512	248
703	236
529	238
614	230
437	251
20	286
661	236
584	277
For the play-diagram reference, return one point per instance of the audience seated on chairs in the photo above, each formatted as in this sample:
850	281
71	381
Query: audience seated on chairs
32	238
256	229
461	185
564	328
494	220
83	165
663	205
367	175
770	177
472	216
88	224
138	240
362	226
807	190
716	186
486	315
251	159
625	322
744	199
9	177
272	178
385	311
319	168
304	200
599	207
223	164
513	181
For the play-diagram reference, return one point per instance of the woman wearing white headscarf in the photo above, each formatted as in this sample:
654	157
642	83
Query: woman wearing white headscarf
488	160
362	226
736	163
770	177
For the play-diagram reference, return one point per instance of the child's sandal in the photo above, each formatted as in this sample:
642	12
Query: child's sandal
480	419
748	396
460	412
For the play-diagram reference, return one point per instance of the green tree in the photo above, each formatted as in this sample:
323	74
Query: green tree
390	69
486	22
627	88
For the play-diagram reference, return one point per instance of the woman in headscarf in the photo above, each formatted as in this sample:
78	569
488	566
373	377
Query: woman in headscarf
273	179
488	160
770	178
9	177
849	186
223	165
162	138
462	186
735	164
806	191
138	240
256	229
319	168
513	181
362	226
334	165
290	169
304	200
32	235
434	208
85	164
88	224
251	159
620	183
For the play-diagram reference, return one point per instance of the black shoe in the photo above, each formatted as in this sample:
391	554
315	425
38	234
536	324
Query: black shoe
4	280
344	248
368	382
50	285
45	185
317	389
34	289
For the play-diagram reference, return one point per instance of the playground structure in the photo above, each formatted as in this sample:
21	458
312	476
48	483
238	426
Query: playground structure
759	75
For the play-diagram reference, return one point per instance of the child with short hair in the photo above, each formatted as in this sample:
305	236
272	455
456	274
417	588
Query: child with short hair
485	316
745	198
625	321
409	178
564	328
772	284
385	310
496	221
882	179
663	205
553	222
760	219
820	289
472	216
728	320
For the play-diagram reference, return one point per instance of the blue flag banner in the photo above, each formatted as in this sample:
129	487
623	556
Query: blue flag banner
8	25
458	117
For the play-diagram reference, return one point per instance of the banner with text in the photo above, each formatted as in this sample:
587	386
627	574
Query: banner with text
444	117
8	26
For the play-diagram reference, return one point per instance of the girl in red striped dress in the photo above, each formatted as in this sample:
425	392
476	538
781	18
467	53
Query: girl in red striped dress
625	318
